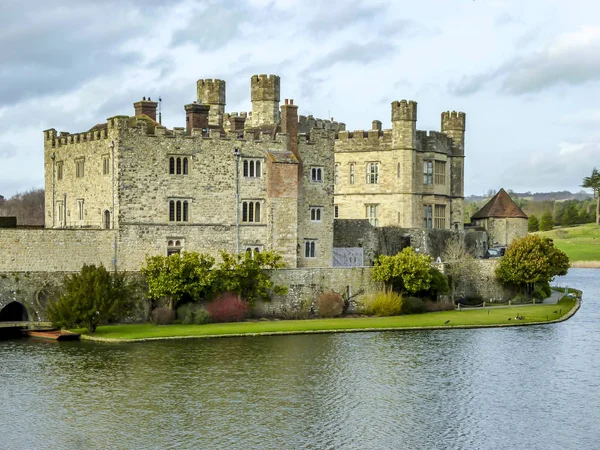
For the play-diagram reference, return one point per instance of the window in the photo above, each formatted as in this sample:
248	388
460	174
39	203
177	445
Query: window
80	210
179	211
336	174
372	173
60	212
439	216
316	174
398	170
315	213
310	248
252	168
253	250
335	211
79	168
427	213
107	219
179	165
372	214
251	212
352	173
174	246
59	170
440	172
105	165
427	172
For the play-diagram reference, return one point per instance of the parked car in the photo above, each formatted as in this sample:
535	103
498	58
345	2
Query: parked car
494	252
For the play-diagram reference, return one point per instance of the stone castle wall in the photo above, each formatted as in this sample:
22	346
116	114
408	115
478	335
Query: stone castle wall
502	231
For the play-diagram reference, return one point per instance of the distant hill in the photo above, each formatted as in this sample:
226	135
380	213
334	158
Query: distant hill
536	197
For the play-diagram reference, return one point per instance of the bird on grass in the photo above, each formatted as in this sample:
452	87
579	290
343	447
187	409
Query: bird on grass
554	312
447	322
509	318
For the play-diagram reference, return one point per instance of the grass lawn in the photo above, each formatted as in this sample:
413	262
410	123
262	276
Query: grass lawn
478	317
580	243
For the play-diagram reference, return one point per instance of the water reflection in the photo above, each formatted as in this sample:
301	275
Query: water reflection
530	387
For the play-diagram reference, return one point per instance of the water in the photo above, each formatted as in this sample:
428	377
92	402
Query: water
520	388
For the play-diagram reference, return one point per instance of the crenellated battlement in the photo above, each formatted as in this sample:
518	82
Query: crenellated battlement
96	133
265	88
211	91
453	121
433	141
404	110
307	123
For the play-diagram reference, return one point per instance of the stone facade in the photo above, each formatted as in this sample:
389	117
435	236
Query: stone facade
401	176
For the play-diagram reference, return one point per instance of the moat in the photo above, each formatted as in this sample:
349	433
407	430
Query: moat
527	387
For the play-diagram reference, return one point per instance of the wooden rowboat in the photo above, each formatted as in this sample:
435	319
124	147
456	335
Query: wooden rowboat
57	335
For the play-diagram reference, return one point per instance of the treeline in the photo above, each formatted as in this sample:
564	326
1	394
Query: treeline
27	207
565	214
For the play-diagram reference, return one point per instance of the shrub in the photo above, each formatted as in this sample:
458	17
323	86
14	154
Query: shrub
407	271
539	294
384	303
191	313
329	304
545	287
438	306
521	298
227	307
163	316
91	297
412	305
473	300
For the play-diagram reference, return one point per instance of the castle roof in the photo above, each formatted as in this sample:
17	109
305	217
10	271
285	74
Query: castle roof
500	205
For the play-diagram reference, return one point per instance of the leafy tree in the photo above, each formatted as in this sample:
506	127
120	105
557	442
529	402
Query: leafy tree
437	286
546	222
530	260
407	271
180	276
27	206
91	297
593	182
461	266
245	275
570	215
533	224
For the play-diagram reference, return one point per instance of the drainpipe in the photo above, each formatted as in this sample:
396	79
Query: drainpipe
53	157
112	148
236	152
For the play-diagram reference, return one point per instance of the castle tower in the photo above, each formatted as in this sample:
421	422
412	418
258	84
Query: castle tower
265	99
404	132
212	92
453	125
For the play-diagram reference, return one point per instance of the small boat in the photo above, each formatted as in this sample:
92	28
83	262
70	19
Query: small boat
57	335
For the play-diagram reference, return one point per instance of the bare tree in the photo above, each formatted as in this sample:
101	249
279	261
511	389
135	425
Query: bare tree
27	206
460	265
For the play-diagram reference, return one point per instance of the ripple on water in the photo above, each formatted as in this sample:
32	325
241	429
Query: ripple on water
530	387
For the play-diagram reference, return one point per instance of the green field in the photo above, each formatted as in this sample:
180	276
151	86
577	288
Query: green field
498	316
580	243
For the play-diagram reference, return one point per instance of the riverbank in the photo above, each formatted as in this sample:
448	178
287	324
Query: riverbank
480	318
585	264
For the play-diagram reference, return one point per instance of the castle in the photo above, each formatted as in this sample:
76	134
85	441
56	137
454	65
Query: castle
268	179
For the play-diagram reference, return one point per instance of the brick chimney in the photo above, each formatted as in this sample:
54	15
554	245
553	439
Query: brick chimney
146	107
196	116
289	125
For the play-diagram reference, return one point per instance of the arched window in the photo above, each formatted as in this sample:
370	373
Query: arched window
251	168
245	168
178	166
178	211
256	250
373	173
309	249
185	211
245	212
352	173
258	172
172	211
257	212
185	166
107	219
251	212
170	243
171	166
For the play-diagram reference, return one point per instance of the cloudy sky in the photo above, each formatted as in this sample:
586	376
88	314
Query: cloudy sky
527	73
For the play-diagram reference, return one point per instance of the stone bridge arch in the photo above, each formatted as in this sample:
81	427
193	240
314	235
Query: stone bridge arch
14	312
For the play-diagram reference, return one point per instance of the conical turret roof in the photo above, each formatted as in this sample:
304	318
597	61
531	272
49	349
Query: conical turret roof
500	205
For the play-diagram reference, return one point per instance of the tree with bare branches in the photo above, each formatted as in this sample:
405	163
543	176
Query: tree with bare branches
460	265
